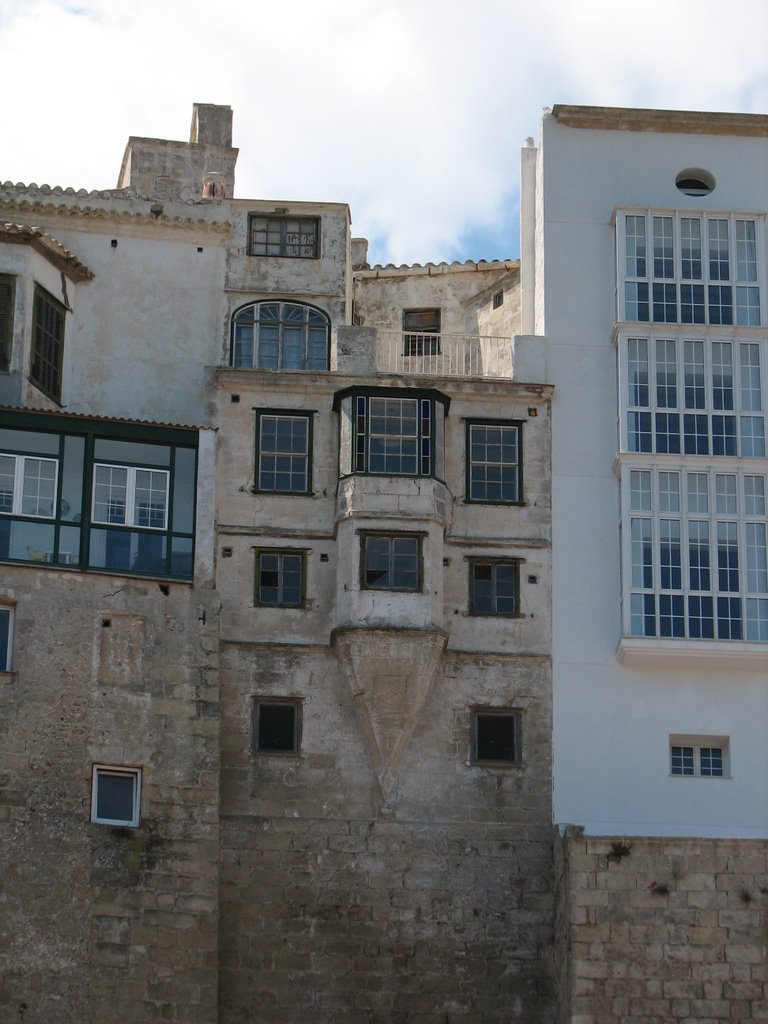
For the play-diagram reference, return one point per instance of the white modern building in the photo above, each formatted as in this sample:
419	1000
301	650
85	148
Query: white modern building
644	268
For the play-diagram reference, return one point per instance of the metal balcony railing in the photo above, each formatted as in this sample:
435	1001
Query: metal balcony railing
443	355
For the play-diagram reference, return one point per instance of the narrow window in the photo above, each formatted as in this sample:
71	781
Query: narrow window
276	725
47	344
495	737
283	452
493	588
7	292
280	578
391	562
6	639
116	795
494	463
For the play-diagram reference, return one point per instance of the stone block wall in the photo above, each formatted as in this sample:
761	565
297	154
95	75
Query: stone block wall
660	930
106	925
432	906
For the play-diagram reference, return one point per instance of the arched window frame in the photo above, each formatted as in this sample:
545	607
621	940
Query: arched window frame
277	334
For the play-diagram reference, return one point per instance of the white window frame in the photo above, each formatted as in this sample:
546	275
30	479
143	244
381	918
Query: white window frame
130	496
697	744
705	281
7	616
20	462
740	411
752	616
123	771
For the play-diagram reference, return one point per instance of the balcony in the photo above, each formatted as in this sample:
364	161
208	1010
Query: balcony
443	355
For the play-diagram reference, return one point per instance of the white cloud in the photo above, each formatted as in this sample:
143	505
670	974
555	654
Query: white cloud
412	111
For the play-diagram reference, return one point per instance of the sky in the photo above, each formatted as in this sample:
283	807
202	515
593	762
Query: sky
411	111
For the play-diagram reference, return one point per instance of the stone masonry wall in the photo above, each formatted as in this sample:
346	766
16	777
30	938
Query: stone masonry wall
105	925
434	907
663	930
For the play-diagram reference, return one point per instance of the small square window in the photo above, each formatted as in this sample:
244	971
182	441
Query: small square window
6	639
498	299
391	562
702	756
283	452
116	795
495	737
280	578
493	588
276	726
494	463
425	327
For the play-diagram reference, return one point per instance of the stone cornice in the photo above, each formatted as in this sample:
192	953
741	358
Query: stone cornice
53	251
685	122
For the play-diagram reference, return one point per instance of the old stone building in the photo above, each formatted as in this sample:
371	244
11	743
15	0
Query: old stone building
275	596
311	570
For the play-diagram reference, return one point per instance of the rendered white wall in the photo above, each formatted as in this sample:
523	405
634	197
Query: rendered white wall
612	723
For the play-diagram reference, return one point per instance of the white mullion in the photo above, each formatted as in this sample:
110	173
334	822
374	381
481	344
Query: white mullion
130	495
18	484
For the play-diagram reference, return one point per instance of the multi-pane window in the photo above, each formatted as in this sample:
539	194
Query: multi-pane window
687	269
129	496
391	562
7	292
393	436
47	344
495	737
283	452
6	638
280	336
421	332
705	756
697	553
280	578
693	396
276	725
493	587
297	237
494	462
116	795
28	486
73	496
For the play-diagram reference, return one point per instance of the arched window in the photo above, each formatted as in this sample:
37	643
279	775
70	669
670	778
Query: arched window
280	336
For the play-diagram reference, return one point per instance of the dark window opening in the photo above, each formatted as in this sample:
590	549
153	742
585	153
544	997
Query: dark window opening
421	332
277	726
47	344
495	737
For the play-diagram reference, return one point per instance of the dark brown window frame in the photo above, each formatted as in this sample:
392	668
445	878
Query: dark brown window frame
480	713
260	702
7	305
422	338
282	219
47	354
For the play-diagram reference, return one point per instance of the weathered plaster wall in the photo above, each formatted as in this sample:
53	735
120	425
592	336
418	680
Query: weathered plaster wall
463	292
663	929
104	924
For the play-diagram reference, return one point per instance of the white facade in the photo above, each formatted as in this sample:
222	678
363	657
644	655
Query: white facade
659	358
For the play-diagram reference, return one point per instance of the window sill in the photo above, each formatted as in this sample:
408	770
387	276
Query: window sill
652	651
7	677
